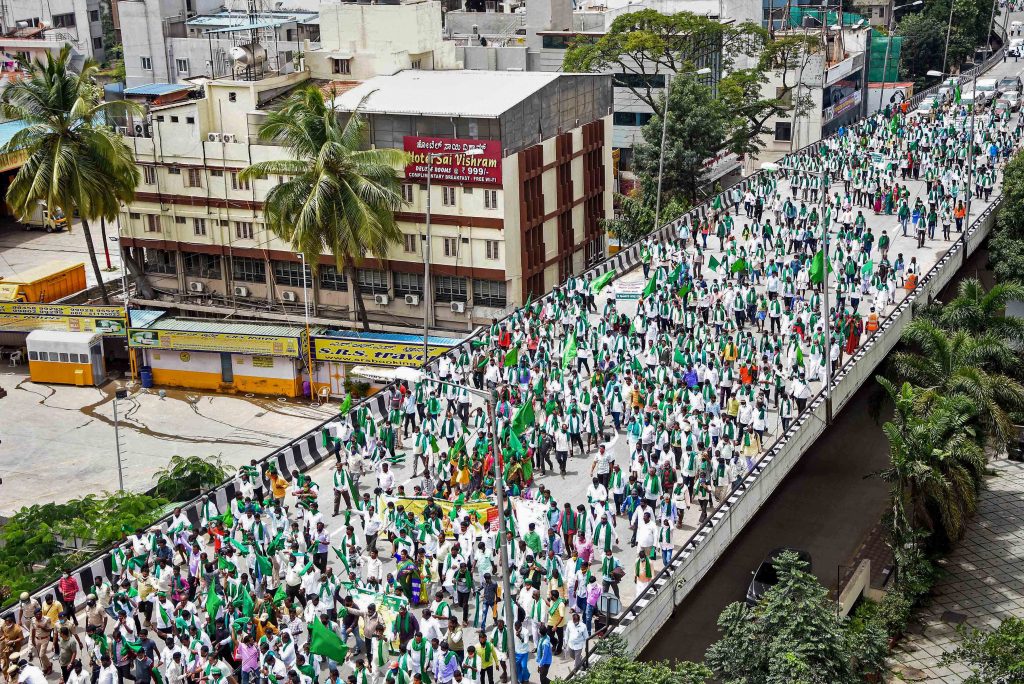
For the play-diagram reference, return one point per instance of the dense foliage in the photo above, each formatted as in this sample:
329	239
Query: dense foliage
186	477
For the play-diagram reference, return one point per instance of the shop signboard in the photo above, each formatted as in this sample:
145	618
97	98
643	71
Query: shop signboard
144	338
26	317
380	353
449	162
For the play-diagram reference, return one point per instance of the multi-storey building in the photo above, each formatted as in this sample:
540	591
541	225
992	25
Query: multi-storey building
512	221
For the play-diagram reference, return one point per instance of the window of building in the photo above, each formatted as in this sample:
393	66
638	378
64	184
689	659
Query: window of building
631	118
134	216
195	178
409	243
237	183
190	119
372	281
491	249
149	175
416	64
97	43
556	42
147	64
342	66
447	196
490	199
243	230
174	119
159	261
152	223
217	173
333	279
94	15
407	192
201	265
639	81
489	293
64	20
248	270
451	247
179	220
449	289
291	273
232	96
182	65
408	284
783	130
160	118
174	171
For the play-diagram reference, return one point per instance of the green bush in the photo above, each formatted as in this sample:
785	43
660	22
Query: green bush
185	478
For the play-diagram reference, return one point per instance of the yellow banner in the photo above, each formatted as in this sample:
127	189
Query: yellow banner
21	317
213	342
487	512
343	350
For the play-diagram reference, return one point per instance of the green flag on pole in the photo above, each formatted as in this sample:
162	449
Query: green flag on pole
346	404
799	356
324	642
570	351
523	418
652	285
713	263
213	603
512	358
738	265
266	568
601	282
515	444
817	272
868	267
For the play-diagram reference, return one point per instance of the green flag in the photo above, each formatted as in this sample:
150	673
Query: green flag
738	265
652	285
713	263
346	404
245	602
515	444
676	272
601	282
570	351
799	356
213	603
323	641
956	95
279	595
266	568
224	564
163	614
135	646
242	548
523	418
678	357
458	447
684	290
512	358
817	272
868	267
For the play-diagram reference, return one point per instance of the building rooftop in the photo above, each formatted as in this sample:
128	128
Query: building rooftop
223	22
221	326
157	89
482	94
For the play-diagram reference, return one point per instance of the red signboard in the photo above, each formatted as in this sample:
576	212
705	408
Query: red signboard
450	164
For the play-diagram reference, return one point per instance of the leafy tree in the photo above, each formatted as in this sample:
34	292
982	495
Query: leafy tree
978	311
793	635
338	197
617	667
991	656
963	364
698	127
936	463
1006	254
185	478
650	46
1011	213
924	40
635	216
74	161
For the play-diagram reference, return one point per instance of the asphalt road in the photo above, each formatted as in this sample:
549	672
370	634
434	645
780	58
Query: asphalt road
825	506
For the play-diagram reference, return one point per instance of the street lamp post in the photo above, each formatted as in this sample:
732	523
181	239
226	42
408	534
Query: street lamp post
888	43
427	299
664	131
305	312
118	394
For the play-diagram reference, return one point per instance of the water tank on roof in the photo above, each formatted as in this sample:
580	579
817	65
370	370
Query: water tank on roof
249	55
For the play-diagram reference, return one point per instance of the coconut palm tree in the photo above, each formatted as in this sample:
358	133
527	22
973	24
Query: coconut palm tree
979	311
936	461
960	363
338	196
73	160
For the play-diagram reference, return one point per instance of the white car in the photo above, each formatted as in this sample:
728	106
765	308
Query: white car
1012	100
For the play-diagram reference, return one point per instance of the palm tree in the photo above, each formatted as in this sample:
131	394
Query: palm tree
960	363
936	462
74	160
979	311
339	197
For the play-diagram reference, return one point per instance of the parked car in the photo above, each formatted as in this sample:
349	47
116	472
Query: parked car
986	89
765	577
1013	97
1010	84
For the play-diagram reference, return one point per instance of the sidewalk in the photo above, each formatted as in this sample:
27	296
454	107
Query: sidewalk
983	584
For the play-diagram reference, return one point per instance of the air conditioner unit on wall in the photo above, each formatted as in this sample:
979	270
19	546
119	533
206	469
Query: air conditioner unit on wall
288	296
381	299
213	137
458	307
412	300
229	137
241	291
196	287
